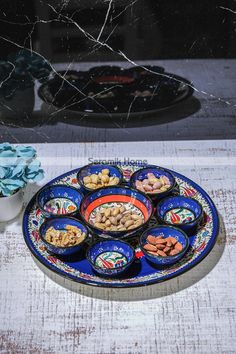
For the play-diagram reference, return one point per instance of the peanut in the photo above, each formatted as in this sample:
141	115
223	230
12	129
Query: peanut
147	187
99	225
113	220
100	179
138	223
115	211
135	217
98	218
163	189
94	178
129	223
122	209
107	212
117	219
113	181
105	179
108	222
105	171
87	180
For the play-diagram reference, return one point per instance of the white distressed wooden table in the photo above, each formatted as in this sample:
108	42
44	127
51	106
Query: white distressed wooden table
209	114
193	313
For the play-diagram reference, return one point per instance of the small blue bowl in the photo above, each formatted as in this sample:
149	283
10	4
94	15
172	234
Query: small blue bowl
165	231
110	195
110	257
141	174
95	169
182	212
56	200
60	223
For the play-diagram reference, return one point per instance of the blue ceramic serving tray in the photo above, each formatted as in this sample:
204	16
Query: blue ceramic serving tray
78	269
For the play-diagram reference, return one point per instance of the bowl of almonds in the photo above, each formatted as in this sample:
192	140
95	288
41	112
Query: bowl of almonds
95	176
164	245
155	181
63	235
116	212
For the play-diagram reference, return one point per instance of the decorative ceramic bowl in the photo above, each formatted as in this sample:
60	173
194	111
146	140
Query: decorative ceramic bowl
59	199
165	231
183	212
60	223
87	170
110	257
141	174
134	201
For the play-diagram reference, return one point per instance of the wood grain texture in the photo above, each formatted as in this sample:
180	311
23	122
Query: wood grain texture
210	114
195	313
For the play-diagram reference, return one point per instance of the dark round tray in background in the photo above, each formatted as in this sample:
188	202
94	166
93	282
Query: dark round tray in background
113	91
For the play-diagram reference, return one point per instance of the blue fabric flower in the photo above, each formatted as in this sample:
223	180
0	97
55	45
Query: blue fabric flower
18	166
25	151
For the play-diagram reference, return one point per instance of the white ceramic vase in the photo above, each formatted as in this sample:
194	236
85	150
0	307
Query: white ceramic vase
11	206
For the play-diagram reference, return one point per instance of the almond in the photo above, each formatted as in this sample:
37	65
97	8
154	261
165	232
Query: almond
151	239
160	246
173	252
178	247
160	240
166	249
149	247
153	253
161	253
173	240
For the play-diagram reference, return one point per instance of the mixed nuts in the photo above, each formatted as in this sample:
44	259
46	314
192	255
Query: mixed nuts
70	237
152	184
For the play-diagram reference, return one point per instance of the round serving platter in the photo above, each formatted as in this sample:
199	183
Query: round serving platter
166	90
78	269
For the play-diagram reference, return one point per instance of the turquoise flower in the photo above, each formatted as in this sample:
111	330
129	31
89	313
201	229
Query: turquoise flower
18	166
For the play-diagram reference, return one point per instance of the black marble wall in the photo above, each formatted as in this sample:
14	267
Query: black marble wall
142	29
